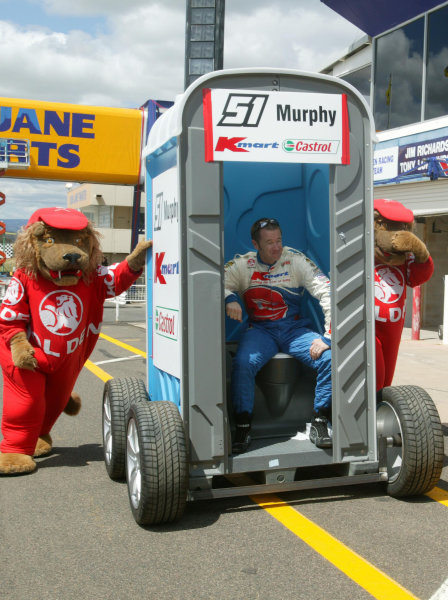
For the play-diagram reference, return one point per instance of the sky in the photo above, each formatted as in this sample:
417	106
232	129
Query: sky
120	53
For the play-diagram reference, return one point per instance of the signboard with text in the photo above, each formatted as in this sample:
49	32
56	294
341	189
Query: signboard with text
410	156
385	163
166	273
71	142
271	126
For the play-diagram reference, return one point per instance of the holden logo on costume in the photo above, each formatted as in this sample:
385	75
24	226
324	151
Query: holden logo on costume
265	304
389	284
14	293
61	312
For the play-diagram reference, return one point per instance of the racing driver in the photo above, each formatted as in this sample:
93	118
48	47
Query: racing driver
271	282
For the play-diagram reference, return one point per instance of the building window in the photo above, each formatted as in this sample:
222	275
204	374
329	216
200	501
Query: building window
90	215
105	216
437	65
398	76
360	79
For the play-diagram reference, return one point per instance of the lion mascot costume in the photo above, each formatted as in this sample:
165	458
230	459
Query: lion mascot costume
401	259
50	320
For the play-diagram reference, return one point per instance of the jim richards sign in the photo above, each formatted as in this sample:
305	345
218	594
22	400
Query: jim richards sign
243	125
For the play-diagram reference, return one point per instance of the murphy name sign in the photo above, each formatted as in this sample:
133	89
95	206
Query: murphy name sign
269	126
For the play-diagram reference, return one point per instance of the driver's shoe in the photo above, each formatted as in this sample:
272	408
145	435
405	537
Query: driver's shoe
242	438
319	432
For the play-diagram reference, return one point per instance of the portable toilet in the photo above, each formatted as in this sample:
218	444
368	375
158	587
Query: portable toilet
236	146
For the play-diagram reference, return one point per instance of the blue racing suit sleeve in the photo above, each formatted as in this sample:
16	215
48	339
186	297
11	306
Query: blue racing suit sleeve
232	298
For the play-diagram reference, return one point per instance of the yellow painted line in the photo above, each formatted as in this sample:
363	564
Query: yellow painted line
123	345
97	371
374	581
439	495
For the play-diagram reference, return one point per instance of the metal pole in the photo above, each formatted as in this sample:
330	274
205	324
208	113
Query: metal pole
204	38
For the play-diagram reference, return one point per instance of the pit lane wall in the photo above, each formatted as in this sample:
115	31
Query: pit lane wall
72	142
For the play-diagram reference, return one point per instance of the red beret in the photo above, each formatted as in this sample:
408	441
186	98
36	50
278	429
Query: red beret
59	218
393	210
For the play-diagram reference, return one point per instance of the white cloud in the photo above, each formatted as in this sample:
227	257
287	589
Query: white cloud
101	7
142	54
23	197
135	51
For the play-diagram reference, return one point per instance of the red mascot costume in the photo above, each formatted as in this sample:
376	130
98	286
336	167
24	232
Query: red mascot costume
50	320
401	259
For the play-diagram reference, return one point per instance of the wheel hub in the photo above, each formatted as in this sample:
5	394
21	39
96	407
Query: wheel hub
133	466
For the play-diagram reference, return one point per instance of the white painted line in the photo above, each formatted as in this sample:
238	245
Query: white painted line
104	362
442	592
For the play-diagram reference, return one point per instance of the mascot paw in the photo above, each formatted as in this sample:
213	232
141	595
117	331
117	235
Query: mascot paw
405	241
44	445
26	361
73	405
22	352
10	464
137	258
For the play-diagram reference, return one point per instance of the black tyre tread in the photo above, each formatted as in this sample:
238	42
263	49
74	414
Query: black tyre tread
122	392
423	440
163	462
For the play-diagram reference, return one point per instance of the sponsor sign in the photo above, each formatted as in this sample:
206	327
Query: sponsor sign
166	322
410	158
166	273
251	126
70	142
385	163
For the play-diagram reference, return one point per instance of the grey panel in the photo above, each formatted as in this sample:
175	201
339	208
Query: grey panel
351	228
352	302
203	310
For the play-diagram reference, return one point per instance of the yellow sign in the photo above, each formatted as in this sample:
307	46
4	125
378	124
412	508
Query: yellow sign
70	142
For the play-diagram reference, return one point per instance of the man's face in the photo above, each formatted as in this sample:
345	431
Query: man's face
269	246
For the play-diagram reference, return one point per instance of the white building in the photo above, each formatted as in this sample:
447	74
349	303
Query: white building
403	74
109	207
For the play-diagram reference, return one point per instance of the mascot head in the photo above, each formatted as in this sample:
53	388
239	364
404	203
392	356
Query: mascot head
60	244
390	217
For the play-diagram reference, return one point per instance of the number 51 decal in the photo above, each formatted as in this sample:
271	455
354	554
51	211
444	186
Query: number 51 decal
243	110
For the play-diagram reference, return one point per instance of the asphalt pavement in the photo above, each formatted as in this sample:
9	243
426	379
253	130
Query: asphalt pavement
67	532
424	362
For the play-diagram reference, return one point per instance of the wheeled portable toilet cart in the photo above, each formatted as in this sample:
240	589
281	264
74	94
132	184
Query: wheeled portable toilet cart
239	145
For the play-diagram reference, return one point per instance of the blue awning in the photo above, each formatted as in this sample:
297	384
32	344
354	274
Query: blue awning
375	16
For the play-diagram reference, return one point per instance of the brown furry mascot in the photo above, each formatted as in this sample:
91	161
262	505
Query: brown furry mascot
50	320
401	259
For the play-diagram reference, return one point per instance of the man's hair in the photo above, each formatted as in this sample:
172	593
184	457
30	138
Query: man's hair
260	224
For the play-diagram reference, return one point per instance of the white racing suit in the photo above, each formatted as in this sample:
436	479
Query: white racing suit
272	295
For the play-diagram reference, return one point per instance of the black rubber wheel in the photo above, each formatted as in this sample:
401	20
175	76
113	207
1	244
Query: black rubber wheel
117	398
156	463
408	417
